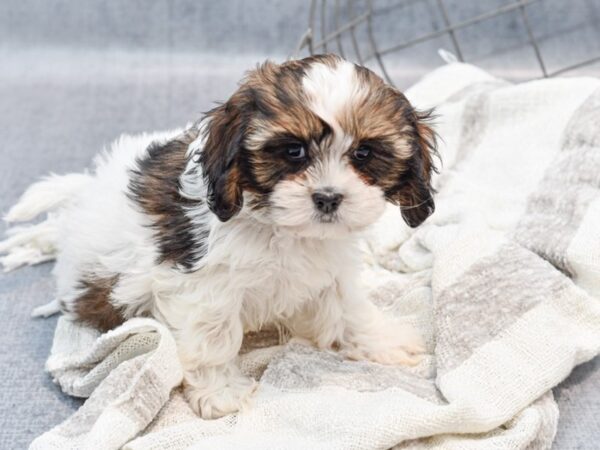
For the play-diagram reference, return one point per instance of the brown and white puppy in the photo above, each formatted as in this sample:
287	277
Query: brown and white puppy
245	219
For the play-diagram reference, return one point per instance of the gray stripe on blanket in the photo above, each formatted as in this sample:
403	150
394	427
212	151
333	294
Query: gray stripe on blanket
474	121
583	127
303	367
476	115
144	385
489	297
556	209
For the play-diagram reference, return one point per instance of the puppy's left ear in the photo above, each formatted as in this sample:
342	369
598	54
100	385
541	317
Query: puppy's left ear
416	193
224	131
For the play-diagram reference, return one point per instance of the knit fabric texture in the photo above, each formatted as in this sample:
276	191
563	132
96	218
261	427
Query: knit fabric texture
503	281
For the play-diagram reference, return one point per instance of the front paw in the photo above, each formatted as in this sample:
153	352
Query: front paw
392	344
212	403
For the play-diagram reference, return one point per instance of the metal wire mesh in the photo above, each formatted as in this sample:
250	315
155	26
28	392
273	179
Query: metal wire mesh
334	26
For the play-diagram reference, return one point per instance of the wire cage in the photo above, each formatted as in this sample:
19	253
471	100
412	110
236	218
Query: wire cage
525	38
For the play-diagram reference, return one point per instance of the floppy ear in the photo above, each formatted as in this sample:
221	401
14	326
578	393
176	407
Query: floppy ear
224	131
416	194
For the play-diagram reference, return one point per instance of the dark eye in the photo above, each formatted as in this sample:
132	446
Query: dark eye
362	153
295	152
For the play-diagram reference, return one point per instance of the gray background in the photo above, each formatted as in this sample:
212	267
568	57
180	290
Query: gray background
75	74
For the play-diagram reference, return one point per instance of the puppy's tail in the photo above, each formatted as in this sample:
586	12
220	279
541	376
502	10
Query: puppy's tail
46	195
34	244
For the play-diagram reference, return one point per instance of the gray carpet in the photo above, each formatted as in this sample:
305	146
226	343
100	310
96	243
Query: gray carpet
73	76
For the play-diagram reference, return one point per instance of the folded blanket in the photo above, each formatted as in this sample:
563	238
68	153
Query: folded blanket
503	281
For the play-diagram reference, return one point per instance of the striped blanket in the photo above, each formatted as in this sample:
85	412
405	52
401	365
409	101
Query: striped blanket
503	280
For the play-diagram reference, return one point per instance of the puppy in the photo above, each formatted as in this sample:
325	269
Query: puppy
246	218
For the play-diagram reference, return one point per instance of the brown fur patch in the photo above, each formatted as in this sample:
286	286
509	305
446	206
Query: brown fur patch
154	186
264	338
93	307
383	120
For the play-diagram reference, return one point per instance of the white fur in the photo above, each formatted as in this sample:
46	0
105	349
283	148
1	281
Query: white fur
332	91
282	266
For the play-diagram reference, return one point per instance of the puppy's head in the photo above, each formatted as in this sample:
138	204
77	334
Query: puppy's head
317	146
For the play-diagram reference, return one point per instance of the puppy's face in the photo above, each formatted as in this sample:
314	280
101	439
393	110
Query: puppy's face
317	147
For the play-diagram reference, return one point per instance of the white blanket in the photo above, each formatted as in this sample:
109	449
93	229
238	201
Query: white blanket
503	280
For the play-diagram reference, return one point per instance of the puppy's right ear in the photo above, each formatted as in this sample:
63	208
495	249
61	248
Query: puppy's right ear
224	131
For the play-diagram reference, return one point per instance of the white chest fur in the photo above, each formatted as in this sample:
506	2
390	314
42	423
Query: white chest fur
267	275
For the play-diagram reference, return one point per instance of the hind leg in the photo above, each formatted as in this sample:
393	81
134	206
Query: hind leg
47	310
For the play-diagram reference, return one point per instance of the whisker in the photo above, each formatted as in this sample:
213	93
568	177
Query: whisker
404	208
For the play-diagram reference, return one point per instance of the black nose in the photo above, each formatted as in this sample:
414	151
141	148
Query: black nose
327	202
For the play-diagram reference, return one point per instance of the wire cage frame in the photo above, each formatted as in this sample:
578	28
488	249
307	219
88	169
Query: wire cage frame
317	38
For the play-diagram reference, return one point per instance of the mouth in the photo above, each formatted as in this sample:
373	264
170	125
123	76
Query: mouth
326	218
